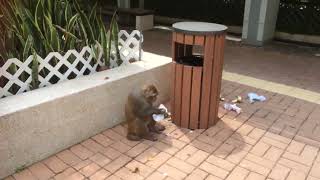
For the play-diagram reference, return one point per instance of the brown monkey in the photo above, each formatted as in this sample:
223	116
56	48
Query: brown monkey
138	110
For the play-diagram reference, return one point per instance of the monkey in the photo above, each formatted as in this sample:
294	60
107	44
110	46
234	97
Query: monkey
138	111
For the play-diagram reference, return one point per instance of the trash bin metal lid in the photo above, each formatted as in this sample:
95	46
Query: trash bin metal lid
201	28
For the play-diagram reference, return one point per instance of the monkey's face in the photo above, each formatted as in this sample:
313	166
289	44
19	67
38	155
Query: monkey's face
150	93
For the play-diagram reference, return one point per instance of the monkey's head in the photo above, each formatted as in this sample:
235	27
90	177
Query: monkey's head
150	92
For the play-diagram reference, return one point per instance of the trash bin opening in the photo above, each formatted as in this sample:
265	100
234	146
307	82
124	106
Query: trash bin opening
194	60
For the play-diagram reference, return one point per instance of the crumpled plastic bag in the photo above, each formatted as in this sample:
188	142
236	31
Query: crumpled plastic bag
160	117
232	107
253	97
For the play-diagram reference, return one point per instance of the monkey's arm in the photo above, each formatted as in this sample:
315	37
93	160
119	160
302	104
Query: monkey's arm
154	110
146	111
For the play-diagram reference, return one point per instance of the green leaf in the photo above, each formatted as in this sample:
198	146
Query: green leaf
36	14
104	42
67	12
86	26
49	7
13	68
108	47
10	17
35	71
55	9
27	48
114	29
55	39
65	32
37	31
83	33
72	22
69	38
93	12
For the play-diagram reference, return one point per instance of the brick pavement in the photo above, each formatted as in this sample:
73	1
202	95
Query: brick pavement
276	140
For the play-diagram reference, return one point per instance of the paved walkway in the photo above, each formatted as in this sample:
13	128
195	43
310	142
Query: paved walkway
276	139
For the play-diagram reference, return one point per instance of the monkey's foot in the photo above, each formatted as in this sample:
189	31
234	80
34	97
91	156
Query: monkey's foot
154	129
133	137
160	127
150	137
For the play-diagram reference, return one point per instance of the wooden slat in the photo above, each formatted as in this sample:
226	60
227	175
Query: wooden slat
186	96
215	81
173	47
199	40
188	39
221	58
195	97
173	74
177	94
172	88
174	36
180	38
206	83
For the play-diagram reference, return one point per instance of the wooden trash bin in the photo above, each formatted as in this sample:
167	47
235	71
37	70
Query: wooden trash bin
196	80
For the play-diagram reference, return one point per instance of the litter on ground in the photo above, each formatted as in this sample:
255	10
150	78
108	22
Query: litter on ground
253	97
136	170
222	98
232	107
237	100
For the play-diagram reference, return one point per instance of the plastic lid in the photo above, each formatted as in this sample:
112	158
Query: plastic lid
199	28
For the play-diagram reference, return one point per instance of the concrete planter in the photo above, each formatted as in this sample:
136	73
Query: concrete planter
39	123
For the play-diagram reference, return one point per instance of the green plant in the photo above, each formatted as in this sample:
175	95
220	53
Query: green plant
44	26
35	69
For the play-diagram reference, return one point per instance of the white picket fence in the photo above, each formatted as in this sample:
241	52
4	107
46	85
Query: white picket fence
72	64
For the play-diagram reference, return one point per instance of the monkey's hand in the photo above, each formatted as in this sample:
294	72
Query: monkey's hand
148	112
163	111
166	115
158	111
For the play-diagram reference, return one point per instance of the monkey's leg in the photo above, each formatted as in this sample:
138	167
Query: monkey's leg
156	126
150	137
145	133
160	127
131	135
152	127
